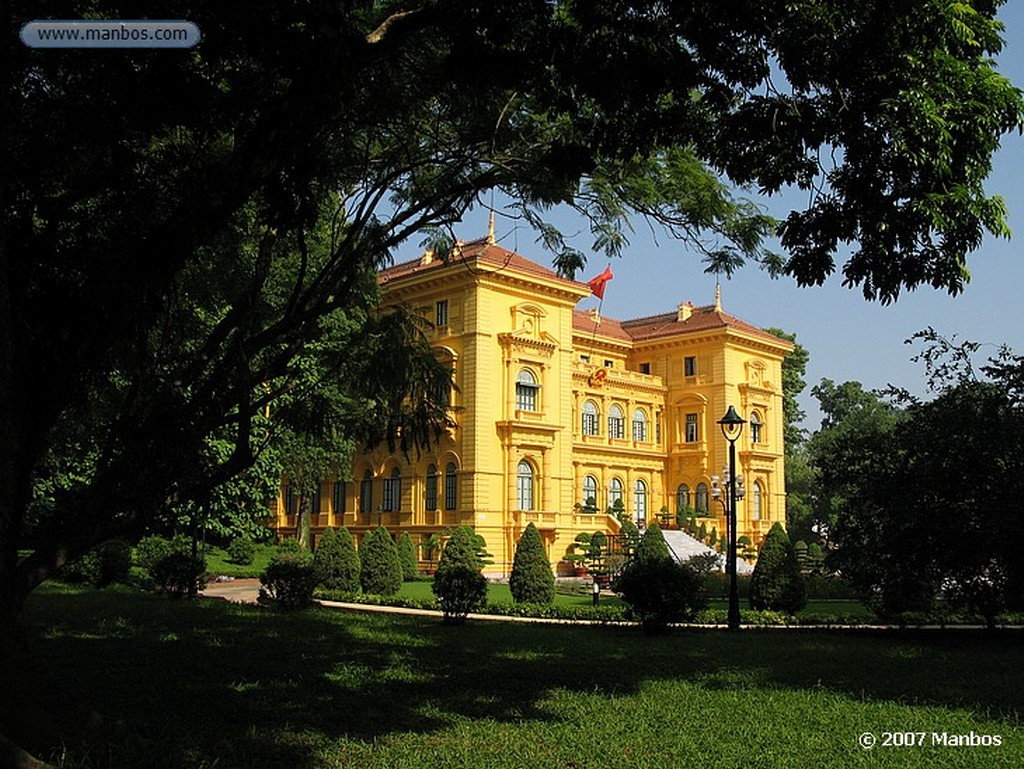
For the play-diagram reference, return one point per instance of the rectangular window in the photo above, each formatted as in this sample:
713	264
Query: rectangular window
450	490
291	500
389	494
526	397
615	426
338	496
645	368
585	358
609	363
366	494
317	500
692	434
690	365
589	423
441	316
431	488
639	430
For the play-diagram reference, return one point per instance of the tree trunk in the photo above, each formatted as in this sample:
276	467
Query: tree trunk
303	521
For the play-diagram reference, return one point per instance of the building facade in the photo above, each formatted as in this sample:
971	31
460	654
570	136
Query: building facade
562	415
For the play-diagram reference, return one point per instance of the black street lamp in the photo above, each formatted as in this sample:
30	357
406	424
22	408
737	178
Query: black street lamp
732	425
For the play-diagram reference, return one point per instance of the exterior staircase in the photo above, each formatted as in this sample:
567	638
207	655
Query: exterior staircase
683	547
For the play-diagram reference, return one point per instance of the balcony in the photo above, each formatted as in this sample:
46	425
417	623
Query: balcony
543	520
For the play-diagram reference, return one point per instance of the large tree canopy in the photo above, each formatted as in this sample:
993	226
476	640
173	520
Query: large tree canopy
177	227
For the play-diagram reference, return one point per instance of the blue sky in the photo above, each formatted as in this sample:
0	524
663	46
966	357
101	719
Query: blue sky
848	338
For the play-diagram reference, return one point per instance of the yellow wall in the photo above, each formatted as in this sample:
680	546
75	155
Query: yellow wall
505	317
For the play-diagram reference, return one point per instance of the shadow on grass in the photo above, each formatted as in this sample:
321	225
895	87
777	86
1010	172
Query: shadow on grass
199	684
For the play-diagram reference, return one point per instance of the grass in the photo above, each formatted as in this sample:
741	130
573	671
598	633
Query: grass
205	684
217	562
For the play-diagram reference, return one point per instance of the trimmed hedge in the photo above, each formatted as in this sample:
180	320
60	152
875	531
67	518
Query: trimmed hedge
380	571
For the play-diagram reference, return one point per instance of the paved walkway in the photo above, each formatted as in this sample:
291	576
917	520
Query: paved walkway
236	591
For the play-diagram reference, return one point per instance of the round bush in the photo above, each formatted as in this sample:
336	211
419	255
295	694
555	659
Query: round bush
289	581
460	590
532	580
178	574
380	572
336	561
241	551
151	549
660	592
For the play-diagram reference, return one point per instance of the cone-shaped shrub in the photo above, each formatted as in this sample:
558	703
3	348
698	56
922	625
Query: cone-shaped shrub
532	580
652	545
776	583
407	557
336	561
380	572
458	584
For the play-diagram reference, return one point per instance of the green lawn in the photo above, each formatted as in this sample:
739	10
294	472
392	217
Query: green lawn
217	562
210	684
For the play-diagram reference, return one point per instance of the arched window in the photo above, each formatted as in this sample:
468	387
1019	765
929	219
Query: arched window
682	497
615	492
524	486
755	513
756	425
431	495
640	501
526	391
366	493
393	491
639	425
702	498
451	487
590	494
616	422
590	418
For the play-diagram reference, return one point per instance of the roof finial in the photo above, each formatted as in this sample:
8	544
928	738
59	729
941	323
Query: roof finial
490	230
718	296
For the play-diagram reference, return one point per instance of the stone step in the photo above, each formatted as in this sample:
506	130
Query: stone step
683	547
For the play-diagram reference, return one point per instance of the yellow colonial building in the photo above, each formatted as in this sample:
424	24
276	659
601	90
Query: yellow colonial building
562	414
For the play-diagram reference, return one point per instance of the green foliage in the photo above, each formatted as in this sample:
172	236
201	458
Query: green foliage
702	532
629	537
652	545
660	592
458	584
380	571
289	580
460	590
110	562
776	583
407	557
531	580
151	549
179	574
336	561
242	551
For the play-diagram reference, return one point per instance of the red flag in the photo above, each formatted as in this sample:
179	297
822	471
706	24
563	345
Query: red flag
597	284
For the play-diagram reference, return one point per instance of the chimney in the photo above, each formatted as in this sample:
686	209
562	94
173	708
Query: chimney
685	311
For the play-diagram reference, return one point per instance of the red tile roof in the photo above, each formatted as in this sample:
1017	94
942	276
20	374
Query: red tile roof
583	323
479	251
701	319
